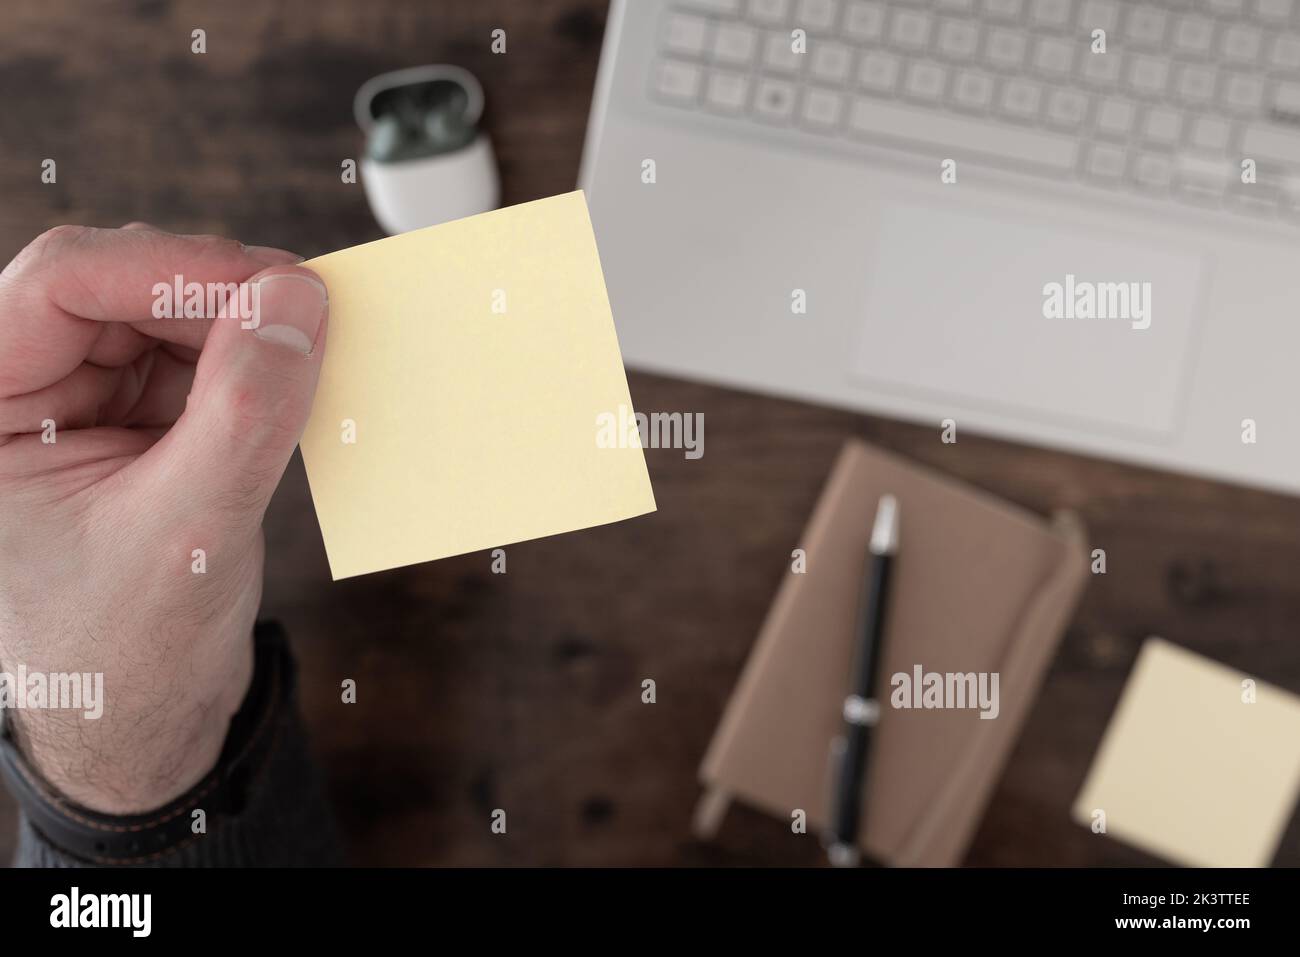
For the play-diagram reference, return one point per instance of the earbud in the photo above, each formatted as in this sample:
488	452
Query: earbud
422	119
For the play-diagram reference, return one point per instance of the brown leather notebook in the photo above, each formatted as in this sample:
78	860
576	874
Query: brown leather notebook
978	586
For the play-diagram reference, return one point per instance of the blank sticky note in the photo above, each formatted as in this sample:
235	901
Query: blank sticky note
1191	772
466	369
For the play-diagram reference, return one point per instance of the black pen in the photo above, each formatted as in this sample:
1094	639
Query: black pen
861	709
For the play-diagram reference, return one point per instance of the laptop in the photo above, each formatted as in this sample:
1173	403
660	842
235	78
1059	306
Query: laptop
1071	223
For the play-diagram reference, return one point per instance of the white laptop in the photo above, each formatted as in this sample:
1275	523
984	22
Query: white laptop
965	210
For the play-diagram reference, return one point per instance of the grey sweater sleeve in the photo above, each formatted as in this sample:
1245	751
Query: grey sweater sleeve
284	821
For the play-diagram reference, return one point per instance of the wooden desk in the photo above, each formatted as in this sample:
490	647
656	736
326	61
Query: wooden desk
479	691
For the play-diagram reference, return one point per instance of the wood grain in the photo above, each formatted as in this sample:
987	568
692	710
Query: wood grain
522	691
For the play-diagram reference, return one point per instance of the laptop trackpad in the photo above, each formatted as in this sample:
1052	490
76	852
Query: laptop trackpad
1032	319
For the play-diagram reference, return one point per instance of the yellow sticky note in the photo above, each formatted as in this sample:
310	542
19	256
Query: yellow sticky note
1200	764
466	369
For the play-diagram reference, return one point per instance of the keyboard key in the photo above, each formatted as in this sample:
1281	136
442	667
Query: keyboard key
1196	83
1054	56
1286	100
910	29
675	80
685	34
1101	69
1210	133
1145	26
1287	198
712	6
878	70
769	12
1003	9
1098	15
1242	43
1153	170
1066	108
1225	8
779	55
955	136
1284	187
815	15
1275	10
1193	34
822	108
1115	117
1005	48
1106	162
774	100
1290	191
1243	92
958	39
831	62
1214	172
925	81
864	19
1162	125
1256	200
1021	99
1286	52
973	91
1053	14
1202	178
734	44
1149	75
726	92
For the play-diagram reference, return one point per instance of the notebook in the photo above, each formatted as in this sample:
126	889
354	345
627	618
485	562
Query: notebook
979	586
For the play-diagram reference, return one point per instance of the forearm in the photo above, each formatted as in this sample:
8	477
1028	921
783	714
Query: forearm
263	805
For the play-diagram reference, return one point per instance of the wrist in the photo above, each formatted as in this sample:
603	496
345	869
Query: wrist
220	797
142	751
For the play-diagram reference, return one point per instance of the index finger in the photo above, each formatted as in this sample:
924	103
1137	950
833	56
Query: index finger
58	293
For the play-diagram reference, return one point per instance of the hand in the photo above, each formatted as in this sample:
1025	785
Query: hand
169	437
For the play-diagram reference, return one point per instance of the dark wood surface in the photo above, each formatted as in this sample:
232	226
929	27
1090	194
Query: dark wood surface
522	691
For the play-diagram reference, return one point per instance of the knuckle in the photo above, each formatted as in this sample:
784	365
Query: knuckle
49	243
62	235
262	416
261	426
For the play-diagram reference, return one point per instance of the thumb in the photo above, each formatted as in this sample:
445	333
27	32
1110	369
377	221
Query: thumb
251	398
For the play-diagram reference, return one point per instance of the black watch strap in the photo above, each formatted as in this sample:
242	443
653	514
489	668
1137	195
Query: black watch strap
223	792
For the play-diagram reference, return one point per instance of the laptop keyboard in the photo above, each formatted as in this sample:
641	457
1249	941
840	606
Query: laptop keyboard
1183	94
